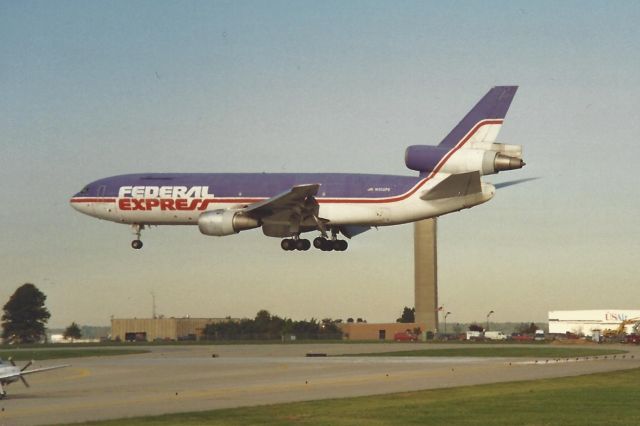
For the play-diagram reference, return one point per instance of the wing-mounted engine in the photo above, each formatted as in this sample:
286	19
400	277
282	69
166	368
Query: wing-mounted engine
220	223
497	158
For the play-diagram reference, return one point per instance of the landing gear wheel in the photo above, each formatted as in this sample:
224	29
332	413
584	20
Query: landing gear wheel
319	242
136	244
303	245
327	245
340	245
287	245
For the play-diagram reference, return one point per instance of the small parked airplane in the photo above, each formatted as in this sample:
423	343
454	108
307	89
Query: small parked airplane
285	205
12	373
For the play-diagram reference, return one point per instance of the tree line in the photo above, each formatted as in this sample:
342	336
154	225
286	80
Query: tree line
269	327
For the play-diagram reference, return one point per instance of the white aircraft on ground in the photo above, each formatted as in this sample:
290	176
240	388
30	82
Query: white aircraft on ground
12	373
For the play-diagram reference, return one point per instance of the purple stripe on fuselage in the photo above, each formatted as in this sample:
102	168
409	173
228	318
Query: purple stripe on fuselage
262	185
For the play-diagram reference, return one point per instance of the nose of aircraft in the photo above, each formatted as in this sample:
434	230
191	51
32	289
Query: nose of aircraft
80	204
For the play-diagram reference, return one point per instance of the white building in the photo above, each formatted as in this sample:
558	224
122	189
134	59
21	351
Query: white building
584	322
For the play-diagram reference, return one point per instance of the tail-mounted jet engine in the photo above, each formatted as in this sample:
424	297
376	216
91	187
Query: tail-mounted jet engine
220	223
497	158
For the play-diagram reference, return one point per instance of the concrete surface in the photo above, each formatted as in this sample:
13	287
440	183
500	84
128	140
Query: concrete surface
187	378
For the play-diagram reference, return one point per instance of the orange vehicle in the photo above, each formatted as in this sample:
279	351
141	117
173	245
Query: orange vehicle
405	336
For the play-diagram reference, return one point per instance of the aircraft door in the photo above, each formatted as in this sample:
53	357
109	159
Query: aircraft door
97	206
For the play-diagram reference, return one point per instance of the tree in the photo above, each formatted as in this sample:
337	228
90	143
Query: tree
475	327
408	315
72	332
525	328
25	315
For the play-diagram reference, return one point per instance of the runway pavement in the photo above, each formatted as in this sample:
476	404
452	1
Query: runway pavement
188	378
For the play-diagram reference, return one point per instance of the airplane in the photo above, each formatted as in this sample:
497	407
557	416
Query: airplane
12	373
286	205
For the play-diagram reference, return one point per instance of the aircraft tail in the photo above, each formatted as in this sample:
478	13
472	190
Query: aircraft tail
483	123
471	145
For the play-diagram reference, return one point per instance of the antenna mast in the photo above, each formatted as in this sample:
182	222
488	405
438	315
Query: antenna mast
153	299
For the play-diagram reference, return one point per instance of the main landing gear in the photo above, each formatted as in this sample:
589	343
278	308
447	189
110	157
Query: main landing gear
324	244
320	243
295	244
137	230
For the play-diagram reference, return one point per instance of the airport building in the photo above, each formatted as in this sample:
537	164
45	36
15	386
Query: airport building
585	322
385	331
150	329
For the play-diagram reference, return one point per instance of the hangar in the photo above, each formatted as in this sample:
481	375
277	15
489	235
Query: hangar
585	322
150	329
377	331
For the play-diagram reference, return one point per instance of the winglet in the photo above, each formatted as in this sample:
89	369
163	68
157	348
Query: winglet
493	106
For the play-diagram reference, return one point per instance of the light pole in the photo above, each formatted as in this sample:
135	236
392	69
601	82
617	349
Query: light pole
488	315
445	322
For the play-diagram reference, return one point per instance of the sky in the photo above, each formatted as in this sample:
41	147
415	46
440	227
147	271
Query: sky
95	89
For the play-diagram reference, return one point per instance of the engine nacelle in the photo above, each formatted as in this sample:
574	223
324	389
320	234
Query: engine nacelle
220	223
502	148
424	158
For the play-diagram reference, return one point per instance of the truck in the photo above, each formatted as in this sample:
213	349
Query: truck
495	335
474	335
632	338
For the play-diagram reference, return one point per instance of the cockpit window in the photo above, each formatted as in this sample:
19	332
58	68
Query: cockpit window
85	190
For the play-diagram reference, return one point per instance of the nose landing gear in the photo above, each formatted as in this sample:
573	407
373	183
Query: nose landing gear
137	230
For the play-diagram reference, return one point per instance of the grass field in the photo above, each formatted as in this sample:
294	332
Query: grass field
503	351
597	399
42	354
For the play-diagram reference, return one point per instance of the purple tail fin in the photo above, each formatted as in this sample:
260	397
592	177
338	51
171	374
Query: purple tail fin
493	106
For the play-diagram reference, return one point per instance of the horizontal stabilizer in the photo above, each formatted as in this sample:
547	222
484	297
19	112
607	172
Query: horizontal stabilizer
457	185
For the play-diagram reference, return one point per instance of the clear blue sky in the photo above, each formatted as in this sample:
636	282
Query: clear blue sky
93	89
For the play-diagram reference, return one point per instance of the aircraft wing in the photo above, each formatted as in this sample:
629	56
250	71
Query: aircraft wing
40	370
294	199
287	213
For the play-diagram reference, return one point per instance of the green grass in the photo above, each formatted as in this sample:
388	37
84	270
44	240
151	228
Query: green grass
604	398
42	354
502	351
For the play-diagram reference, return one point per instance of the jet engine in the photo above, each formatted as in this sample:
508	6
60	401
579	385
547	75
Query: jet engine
425	158
225	222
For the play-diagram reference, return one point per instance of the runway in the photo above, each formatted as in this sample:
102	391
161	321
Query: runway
188	378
